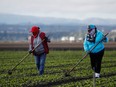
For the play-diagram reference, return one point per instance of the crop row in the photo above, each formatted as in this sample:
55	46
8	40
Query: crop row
57	63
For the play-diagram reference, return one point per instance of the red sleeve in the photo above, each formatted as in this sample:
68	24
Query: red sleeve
45	44
32	39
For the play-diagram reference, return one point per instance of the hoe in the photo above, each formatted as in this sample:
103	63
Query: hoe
68	73
10	71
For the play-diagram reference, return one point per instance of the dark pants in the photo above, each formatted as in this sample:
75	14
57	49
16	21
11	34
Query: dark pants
96	59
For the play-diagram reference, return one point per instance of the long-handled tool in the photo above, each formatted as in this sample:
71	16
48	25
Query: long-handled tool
10	71
68	73
94	79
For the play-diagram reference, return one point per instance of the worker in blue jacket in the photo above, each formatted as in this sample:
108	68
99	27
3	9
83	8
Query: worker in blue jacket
94	36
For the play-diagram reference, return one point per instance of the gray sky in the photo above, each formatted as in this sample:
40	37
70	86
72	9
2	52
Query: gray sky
76	9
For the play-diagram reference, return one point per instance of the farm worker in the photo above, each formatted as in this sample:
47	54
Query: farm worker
40	52
94	36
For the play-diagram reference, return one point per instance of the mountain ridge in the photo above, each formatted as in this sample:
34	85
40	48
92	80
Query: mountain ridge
23	19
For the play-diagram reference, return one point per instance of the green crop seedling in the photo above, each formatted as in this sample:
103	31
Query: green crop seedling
57	63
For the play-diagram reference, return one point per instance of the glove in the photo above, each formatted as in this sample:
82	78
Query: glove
105	38
47	39
88	52
33	52
30	52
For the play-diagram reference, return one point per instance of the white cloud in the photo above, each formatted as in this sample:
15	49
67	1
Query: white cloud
61	8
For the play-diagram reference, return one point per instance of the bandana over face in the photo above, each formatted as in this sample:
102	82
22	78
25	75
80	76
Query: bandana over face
91	35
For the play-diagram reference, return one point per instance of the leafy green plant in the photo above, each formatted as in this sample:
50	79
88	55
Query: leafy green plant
57	63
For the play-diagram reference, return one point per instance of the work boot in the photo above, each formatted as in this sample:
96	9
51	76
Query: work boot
97	75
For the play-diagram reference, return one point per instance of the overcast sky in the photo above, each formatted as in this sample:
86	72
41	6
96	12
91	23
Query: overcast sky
76	9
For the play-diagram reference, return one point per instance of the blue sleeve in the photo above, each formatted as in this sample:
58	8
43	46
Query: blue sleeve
86	47
100	36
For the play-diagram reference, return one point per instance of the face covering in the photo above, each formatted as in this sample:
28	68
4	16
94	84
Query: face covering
91	35
35	34
92	32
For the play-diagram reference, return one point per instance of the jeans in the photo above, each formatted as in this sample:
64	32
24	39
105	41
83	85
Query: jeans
40	62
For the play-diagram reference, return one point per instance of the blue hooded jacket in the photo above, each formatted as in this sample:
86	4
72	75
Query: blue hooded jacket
88	45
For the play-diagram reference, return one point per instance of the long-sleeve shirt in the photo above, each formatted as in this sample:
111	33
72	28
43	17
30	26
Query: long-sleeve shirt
35	41
88	45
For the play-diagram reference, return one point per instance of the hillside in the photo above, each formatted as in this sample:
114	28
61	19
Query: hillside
16	27
25	19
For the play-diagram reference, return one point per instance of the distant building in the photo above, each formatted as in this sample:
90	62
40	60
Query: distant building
112	36
113	31
80	39
71	38
68	39
64	38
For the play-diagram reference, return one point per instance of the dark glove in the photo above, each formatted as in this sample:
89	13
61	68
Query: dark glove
33	52
105	38
47	39
30	52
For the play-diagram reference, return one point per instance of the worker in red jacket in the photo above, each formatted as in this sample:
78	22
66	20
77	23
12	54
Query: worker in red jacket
40	52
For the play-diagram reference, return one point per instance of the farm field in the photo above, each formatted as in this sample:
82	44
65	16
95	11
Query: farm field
57	63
